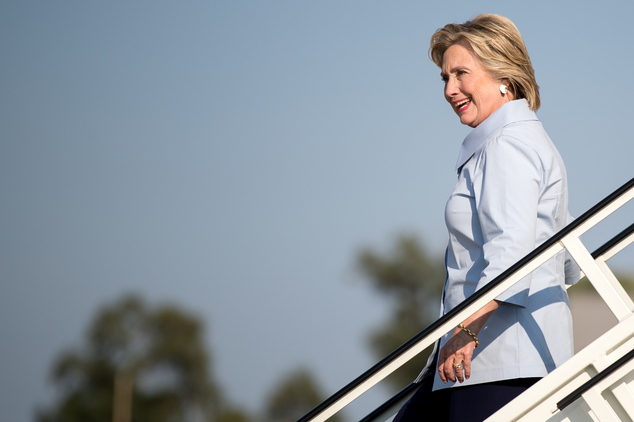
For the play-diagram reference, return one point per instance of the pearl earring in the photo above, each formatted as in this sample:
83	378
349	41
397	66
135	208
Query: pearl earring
504	89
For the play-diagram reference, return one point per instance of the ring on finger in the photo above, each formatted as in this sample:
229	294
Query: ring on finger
457	365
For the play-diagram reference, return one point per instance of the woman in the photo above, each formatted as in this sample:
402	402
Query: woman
510	197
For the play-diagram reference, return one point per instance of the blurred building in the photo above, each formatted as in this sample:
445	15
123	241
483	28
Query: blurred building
591	316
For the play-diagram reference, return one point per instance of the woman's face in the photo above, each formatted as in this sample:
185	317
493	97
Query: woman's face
473	94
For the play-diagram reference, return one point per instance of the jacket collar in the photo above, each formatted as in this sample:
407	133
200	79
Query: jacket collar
511	112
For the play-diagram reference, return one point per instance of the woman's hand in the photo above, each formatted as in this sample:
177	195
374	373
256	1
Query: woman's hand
454	359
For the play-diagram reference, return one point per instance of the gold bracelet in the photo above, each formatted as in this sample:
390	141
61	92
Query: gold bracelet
471	333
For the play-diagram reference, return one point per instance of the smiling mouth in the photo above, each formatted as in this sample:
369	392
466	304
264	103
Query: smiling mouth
462	104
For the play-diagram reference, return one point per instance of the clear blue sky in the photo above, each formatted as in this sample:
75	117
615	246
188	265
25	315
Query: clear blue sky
232	157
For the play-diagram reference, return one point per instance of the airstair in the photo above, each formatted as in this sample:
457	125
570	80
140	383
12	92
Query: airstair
596	384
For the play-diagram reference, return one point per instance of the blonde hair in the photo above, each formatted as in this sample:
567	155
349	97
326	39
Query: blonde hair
498	47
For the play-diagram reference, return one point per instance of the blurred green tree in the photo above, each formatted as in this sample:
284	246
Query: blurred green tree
412	279
293	397
159	361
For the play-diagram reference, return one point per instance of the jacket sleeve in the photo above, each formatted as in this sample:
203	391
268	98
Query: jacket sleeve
506	186
571	269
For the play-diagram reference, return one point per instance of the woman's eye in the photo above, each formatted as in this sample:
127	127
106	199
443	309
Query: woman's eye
460	72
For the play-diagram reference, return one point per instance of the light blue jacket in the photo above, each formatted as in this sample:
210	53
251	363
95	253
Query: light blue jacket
511	196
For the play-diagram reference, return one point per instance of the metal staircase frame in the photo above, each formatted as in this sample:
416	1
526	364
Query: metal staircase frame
573	374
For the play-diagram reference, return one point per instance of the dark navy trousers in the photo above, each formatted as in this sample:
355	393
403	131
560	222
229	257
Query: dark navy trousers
473	403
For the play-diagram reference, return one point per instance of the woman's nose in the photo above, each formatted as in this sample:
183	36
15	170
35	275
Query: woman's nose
451	88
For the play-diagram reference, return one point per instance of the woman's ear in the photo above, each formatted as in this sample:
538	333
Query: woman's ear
509	88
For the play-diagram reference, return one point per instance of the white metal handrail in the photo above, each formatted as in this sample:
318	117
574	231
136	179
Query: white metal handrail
611	399
597	272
